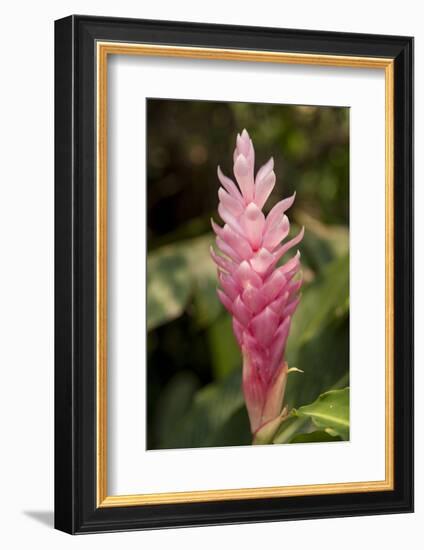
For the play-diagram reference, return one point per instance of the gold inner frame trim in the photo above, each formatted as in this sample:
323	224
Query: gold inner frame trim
103	50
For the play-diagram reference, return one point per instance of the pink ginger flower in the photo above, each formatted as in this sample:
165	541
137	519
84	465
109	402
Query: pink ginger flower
260	295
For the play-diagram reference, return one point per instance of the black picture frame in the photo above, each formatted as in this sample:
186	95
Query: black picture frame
76	509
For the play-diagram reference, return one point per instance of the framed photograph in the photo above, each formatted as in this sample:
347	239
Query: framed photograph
234	274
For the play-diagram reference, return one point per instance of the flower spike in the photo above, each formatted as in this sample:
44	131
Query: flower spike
261	297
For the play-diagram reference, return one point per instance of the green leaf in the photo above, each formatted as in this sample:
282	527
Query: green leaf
179	275
214	412
325	362
168	285
322	243
325	299
318	342
319	436
329	412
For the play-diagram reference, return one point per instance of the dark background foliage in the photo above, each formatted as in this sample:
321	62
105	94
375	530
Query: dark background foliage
194	366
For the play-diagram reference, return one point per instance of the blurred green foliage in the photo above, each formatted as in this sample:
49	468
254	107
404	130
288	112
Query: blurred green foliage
194	366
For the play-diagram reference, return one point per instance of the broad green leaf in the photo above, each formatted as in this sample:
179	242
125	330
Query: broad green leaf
328	241
325	299
316	252
168	285
318	343
329	412
294	424
324	360
180	274
204	424
319	436
221	400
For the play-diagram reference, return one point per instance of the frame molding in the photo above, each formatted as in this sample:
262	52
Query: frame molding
84	43
103	51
